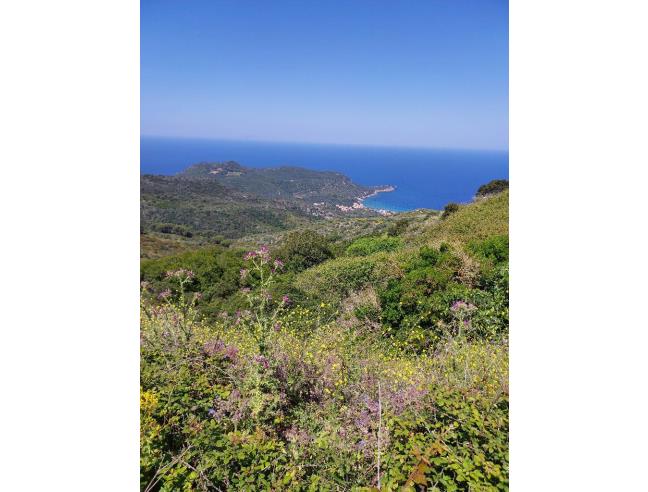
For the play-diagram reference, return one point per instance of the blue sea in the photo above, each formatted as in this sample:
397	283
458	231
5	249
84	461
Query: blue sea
424	178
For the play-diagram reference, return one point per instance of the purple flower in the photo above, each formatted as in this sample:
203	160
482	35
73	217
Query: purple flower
249	255
165	294
212	412
245	290
244	273
278	264
231	352
277	326
457	305
285	300
213	347
261	360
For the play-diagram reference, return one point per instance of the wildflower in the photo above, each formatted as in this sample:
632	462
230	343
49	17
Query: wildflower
261	360
277	326
278	264
457	305
213	347
285	300
231	352
245	290
181	273
244	273
249	255
165	294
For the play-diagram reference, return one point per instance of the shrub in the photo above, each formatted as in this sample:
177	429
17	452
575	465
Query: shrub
398	227
494	249
217	413
449	209
492	187
368	245
177	229
304	249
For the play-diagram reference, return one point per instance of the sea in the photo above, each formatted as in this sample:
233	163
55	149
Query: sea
423	178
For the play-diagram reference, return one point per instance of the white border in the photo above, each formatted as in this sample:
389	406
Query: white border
69	351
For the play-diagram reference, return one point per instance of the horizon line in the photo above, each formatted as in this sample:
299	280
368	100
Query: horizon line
254	140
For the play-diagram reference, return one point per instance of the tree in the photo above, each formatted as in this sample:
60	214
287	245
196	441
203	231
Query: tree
303	249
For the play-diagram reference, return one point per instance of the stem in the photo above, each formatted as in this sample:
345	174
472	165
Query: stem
379	429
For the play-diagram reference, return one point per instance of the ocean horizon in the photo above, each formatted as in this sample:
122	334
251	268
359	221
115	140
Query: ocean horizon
423	178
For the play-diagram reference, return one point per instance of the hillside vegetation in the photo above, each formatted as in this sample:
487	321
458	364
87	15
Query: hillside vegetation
368	355
229	201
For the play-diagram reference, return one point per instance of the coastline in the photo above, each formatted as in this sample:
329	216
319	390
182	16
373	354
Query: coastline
358	204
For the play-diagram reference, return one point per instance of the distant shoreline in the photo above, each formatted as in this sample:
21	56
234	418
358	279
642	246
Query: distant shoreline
358	204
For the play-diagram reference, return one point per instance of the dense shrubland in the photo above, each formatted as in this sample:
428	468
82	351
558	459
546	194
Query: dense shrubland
331	364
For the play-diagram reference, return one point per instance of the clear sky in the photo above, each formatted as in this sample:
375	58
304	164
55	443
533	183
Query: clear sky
423	73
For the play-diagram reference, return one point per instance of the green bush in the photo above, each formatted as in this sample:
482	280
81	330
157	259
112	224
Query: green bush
304	249
492	187
449	209
428	303
398	227
494	249
369	245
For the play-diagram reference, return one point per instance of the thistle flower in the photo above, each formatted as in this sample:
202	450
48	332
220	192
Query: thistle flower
231	352
164	294
457	305
285	300
261	360
181	273
244	273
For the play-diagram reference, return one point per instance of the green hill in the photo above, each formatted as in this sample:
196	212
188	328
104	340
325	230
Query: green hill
230	201
296	366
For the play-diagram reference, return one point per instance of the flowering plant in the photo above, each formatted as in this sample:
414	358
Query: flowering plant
260	272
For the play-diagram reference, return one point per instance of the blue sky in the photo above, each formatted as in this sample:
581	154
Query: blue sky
421	73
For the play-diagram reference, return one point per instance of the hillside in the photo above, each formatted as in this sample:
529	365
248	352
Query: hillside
288	183
304	365
229	201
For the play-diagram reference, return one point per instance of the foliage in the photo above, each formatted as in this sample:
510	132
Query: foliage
232	201
492	187
494	249
477	221
223	409
216	275
399	227
366	246
303	249
387	370
449	209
